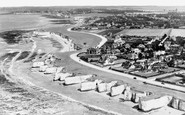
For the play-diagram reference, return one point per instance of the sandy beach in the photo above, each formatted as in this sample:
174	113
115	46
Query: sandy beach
38	100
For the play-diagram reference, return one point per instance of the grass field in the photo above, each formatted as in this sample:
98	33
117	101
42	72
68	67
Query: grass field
78	38
152	32
113	31
144	32
93	14
178	32
64	21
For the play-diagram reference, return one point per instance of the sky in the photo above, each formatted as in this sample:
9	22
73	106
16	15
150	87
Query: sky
16	3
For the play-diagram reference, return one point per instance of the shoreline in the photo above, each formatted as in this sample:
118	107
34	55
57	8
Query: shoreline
65	44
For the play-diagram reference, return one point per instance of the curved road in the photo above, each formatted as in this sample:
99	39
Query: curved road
149	81
92	41
103	39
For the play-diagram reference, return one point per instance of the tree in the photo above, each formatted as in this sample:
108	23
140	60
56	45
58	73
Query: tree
140	55
137	43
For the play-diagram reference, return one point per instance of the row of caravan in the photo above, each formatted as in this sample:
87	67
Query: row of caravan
46	68
146	100
151	103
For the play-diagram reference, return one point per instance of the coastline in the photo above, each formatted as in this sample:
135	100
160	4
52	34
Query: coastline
56	88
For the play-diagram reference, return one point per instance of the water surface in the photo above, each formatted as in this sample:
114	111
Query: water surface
12	22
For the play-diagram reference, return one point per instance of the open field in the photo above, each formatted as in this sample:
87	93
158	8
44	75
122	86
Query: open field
109	31
144	32
178	32
78	38
93	15
152	32
64	21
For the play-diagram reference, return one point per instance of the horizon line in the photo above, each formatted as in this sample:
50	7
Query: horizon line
97	6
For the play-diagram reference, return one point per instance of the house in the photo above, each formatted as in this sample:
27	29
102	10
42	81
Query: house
107	47
159	53
93	51
167	45
118	42
135	53
91	58
175	48
108	61
126	64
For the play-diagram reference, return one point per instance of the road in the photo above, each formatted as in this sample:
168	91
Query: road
93	41
149	81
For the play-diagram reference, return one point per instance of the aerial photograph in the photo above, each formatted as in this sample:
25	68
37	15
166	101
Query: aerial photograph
92	57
